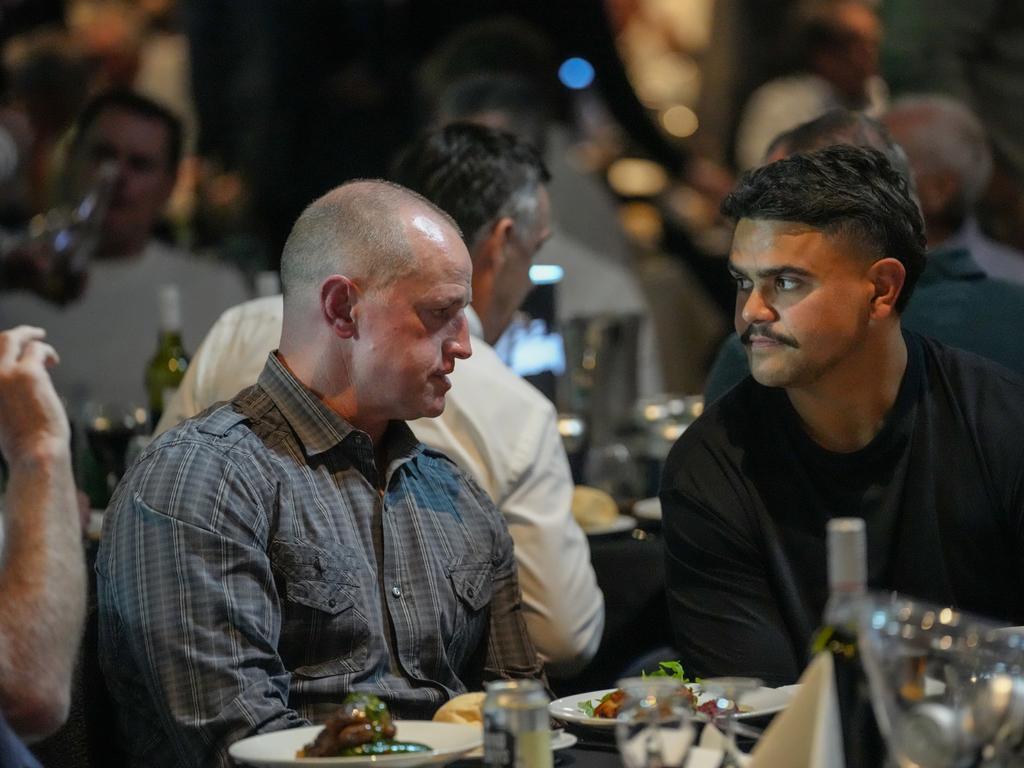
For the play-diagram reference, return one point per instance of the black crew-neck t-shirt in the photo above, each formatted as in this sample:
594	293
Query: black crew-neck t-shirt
747	493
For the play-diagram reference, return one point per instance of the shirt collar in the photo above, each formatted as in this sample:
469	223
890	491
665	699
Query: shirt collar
476	328
316	426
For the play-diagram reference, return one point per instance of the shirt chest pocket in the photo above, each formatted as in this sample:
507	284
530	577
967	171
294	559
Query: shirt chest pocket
324	629
471	582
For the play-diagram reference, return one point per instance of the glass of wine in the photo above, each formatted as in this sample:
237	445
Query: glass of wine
654	728
112	433
728	692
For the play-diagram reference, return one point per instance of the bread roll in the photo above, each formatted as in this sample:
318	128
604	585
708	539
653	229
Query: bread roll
593	508
467	708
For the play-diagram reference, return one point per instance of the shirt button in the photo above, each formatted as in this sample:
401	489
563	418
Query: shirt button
332	602
396	591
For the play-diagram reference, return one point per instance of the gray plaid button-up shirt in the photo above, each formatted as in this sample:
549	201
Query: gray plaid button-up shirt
252	571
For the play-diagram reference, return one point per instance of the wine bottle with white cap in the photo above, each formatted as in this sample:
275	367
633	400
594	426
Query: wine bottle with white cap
847	577
167	366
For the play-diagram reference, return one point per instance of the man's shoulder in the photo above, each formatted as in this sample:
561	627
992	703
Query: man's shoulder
225	432
973	377
723	431
266	309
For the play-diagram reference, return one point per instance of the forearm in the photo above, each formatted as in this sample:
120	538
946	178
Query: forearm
562	604
42	591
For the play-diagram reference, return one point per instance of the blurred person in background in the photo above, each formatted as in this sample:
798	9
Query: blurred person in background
973	51
955	301
496	426
594	282
952	163
109	333
839	45
42	570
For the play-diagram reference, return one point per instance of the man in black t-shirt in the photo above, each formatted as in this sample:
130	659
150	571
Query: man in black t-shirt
845	414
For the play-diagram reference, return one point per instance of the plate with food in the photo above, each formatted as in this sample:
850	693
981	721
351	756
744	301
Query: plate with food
598	709
361	733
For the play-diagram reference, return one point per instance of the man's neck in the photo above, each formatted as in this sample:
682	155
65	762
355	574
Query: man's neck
314	373
847	409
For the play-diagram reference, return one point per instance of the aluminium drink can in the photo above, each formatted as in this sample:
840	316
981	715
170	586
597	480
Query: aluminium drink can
517	732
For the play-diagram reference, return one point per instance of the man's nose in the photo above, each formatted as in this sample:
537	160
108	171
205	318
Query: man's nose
459	345
755	309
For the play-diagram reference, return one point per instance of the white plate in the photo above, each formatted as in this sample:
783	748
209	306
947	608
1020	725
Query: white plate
648	509
446	740
763	701
620	524
562	739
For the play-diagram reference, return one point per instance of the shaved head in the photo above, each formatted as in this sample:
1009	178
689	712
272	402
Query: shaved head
359	230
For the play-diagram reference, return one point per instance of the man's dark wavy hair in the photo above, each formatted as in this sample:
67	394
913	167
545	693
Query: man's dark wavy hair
846	191
474	173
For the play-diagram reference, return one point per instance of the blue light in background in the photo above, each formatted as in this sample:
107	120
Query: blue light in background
545	274
576	73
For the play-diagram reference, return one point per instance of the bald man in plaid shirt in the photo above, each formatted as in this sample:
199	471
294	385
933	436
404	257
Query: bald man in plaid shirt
276	552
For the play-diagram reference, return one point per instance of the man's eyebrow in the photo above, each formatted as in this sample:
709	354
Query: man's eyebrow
784	269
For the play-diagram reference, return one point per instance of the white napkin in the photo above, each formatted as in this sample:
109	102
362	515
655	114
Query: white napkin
807	734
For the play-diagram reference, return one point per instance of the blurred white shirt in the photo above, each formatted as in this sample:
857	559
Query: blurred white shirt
106	337
495	426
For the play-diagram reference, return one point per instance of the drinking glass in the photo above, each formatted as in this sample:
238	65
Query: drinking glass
52	256
113	433
654	728
947	688
729	691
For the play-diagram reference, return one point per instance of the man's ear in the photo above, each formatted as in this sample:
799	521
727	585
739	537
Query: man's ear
490	255
887	276
338	298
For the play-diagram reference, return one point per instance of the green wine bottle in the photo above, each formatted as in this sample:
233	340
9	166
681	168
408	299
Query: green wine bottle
167	366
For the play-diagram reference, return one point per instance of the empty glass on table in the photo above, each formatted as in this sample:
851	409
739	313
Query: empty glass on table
654	728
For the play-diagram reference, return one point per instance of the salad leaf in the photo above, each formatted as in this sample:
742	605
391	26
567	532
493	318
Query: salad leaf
671	669
587	707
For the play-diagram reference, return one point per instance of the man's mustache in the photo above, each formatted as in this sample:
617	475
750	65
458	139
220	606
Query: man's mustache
766	333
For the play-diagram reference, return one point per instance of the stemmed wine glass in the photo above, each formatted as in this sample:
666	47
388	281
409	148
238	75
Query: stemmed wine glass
728	691
654	728
947	687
